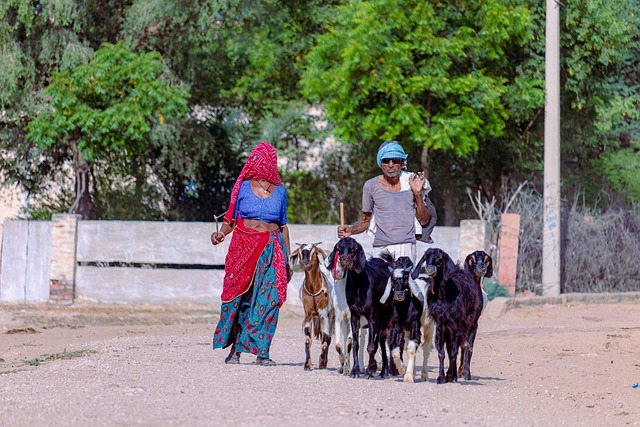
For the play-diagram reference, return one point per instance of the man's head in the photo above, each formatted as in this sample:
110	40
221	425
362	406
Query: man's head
391	158
391	153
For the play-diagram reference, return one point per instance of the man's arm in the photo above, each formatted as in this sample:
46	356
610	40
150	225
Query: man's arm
416	182
356	228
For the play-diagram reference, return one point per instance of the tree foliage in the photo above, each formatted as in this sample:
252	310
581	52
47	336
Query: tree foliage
107	109
459	83
430	73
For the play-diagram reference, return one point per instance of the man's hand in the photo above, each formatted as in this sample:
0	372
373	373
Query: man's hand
416	182
344	231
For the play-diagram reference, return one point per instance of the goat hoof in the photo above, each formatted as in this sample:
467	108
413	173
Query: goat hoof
308	367
440	379
408	379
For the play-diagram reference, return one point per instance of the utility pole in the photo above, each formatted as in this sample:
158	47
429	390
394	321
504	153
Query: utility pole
551	236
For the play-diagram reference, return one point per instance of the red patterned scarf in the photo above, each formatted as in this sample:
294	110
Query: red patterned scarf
261	164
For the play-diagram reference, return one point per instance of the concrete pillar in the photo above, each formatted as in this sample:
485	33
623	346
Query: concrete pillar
63	258
551	236
508	251
473	237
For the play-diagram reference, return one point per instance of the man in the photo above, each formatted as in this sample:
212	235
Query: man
394	200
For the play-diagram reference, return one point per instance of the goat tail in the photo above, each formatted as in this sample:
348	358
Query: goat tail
317	327
332	322
316	324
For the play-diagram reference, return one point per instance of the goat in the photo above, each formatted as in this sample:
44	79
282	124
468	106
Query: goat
479	264
364	286
410	315
316	300
454	304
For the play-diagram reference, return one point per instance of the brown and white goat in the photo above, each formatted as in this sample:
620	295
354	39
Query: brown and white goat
316	300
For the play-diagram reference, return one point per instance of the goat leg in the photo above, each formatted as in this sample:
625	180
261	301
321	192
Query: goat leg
396	351
308	366
452	350
463	362
428	330
326	342
355	329
382	340
440	348
372	348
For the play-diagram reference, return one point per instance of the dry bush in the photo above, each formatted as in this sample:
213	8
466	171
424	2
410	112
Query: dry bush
527	202
530	205
602	251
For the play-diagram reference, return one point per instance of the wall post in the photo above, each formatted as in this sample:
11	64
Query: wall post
64	232
473	237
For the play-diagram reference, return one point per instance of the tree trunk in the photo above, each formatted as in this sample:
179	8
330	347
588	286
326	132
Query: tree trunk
83	205
424	161
449	195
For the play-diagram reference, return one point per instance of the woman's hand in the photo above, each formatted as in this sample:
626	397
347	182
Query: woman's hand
289	272
217	237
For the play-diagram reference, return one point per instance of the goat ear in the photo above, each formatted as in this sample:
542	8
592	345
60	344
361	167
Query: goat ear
295	256
489	267
321	252
360	261
415	290
416	271
330	260
448	267
469	261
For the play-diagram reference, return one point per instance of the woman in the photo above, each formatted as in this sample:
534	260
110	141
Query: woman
256	266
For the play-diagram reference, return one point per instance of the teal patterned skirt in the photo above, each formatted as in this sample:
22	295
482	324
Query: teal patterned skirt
255	312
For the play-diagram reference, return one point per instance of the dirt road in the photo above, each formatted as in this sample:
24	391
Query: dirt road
565	363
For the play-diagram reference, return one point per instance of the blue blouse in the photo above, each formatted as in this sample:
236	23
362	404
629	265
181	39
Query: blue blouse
270	209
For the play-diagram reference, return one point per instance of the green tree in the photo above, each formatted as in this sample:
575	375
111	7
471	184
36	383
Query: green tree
105	111
242	61
434	75
618	126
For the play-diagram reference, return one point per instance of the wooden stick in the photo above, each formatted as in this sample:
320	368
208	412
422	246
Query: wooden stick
342	214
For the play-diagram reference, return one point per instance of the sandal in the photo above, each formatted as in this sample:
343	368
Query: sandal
233	359
264	361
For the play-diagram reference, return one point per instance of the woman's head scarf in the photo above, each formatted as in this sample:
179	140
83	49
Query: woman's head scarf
261	164
391	150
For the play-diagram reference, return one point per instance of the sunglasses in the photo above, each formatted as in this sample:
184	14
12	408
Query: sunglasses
396	161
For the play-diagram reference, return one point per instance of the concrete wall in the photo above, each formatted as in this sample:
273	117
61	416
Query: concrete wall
144	261
25	263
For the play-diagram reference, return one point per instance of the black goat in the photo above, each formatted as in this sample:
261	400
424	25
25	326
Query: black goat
479	264
454	304
364	286
408	309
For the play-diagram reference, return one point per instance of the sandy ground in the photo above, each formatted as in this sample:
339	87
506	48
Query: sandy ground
555	363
